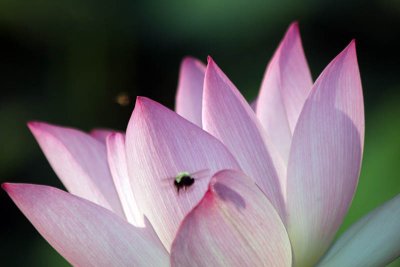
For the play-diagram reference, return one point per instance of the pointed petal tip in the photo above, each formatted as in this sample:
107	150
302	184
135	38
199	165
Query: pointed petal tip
350	50
12	188
212	75
138	107
110	136
293	27
189	63
143	102
140	102
9	188
139	99
189	60
348	54
292	32
212	67
145	108
6	186
114	135
337	95
351	47
38	128
33	125
156	126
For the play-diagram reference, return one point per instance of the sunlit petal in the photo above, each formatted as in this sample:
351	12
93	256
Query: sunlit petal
80	161
228	116
84	233
161	144
119	170
325	158
286	85
234	225
190	90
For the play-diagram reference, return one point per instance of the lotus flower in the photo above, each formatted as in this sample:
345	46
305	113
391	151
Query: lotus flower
269	183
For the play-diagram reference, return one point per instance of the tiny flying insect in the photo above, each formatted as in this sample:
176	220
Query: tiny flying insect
184	180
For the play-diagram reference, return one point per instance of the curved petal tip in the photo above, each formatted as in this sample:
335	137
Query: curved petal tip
189	60
5	186
34	126
293	27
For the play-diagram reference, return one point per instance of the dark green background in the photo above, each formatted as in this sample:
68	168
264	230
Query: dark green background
65	61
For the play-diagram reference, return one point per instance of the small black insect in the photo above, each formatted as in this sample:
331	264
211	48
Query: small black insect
183	180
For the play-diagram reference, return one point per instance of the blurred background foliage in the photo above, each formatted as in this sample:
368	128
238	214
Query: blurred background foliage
67	61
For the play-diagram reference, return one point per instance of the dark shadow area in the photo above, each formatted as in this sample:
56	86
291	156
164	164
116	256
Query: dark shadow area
229	195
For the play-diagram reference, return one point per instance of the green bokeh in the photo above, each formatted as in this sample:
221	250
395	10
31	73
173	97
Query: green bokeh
379	178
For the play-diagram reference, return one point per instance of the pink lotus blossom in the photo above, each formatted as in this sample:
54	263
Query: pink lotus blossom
271	187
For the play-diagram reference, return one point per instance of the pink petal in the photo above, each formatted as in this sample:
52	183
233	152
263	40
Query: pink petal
190	90
80	161
253	105
119	170
84	233
228	116
372	241
160	144
325	158
233	225
101	134
286	85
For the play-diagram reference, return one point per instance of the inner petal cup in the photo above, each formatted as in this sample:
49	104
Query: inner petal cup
233	225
